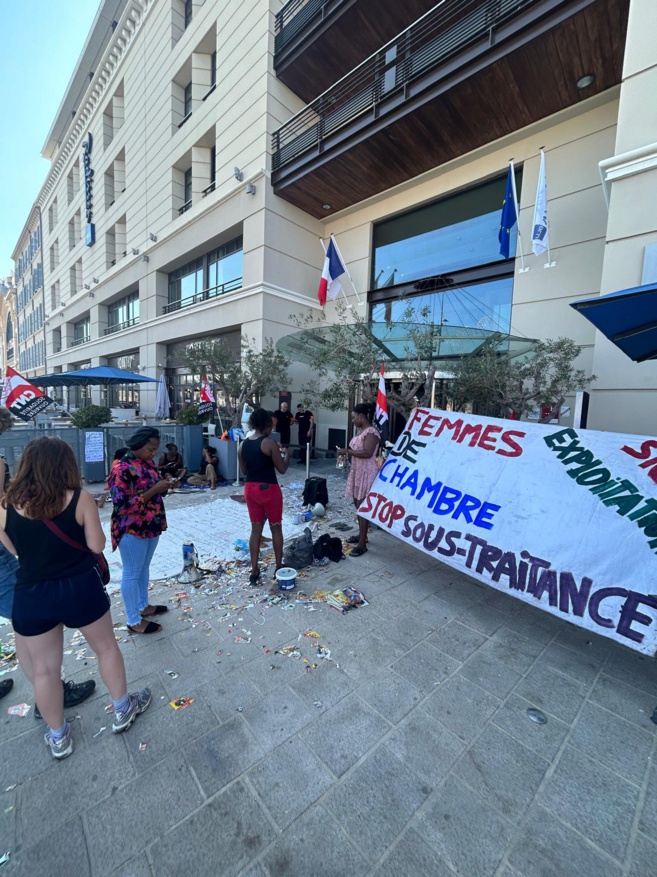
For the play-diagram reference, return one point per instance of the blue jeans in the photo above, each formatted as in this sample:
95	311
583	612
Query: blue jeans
136	556
8	570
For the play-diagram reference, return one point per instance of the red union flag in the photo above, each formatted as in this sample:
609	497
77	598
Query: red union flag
22	398
206	401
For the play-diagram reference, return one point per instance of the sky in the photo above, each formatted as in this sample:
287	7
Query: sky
41	43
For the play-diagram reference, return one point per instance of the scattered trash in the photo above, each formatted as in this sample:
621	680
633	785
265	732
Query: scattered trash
345	599
9	809
323	652
537	716
19	709
143	747
109	708
241	639
318	704
4	859
181	702
172	674
11	788
312	633
98	733
240	709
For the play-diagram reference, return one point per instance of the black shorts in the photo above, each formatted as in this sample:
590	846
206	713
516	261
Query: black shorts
73	602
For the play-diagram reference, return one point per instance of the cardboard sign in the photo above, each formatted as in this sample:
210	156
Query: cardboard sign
562	519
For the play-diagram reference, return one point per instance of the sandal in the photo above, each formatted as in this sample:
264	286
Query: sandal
353	540
357	551
254	579
157	610
151	627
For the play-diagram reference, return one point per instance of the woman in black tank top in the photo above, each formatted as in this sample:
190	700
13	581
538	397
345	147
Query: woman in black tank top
52	525
260	459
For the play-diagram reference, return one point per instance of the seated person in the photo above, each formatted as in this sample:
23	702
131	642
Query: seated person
101	498
171	464
208	469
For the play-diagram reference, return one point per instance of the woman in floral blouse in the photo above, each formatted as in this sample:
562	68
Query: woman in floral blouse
138	519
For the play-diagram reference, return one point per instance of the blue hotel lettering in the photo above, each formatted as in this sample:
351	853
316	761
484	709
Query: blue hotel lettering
440	498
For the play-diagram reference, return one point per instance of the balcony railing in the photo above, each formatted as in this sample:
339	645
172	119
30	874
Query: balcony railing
77	341
200	297
184	208
442	33
295	16
209	188
118	327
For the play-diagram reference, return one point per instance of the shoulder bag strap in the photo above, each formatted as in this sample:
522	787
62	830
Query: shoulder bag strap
52	526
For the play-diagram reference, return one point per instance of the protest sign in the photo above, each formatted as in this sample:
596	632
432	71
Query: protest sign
206	401
563	519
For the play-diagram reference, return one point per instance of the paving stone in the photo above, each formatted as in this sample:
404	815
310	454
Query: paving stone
596	802
514	638
28	756
390	694
435	612
576	665
618	744
544	740
425	746
289	780
369	653
119	827
220	838
411	856
314	844
223	754
491	675
266	680
483	619
196	639
278	716
420	586
461	707
404	633
424	666
375	802
648	820
637	670
510	656
502	771
630	703
88	776
61	852
166	731
550	691
579	640
231	691
463	830
545	847
137	867
344	733
643	858
456	640
328	687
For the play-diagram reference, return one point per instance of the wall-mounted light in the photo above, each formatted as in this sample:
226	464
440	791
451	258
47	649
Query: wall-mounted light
237	173
250	189
135	251
585	81
153	237
86	286
144	258
95	280
92	295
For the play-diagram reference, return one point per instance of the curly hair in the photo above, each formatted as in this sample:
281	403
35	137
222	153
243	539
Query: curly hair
47	469
260	419
367	409
6	420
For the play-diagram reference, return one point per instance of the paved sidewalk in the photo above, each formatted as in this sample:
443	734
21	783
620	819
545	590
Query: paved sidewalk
408	752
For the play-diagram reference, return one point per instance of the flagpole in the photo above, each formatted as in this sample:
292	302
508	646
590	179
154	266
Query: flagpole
335	244
549	263
522	269
321	240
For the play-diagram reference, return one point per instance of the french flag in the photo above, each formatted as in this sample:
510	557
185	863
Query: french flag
381	414
329	285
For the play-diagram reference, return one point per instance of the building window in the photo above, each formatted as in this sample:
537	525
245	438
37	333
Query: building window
455	233
225	266
188	13
81	332
187	191
75	277
74	233
73	182
54	255
124	395
123	313
218	272
187	103
54	295
213	70
187	282
52	215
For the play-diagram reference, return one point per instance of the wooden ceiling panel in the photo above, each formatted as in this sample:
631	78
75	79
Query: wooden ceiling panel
533	82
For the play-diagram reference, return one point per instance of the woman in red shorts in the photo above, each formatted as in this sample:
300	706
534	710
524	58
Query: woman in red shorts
260	459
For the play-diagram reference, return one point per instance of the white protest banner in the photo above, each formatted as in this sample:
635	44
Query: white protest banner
563	519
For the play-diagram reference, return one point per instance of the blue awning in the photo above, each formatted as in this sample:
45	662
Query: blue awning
628	318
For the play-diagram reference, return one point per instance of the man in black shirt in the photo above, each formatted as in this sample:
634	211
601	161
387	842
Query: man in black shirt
283	419
306	422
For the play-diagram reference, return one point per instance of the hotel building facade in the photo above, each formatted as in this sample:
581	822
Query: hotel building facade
202	149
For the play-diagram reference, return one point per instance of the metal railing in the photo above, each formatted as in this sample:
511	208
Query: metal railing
117	327
184	208
77	341
295	16
210	188
443	32
200	297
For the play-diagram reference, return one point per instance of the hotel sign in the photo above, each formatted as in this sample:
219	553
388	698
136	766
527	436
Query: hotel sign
90	230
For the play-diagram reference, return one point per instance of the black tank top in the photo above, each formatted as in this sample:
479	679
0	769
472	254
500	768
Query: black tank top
259	467
41	554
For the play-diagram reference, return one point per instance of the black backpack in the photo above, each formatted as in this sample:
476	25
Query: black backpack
328	546
314	491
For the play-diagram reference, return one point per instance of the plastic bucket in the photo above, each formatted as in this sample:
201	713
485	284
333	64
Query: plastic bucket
286	577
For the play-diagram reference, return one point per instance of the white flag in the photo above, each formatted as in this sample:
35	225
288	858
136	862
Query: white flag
540	242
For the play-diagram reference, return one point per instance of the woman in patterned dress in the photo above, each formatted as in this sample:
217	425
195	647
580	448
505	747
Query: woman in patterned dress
138	520
362	452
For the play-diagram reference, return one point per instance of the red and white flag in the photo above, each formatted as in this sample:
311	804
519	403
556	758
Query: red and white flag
381	414
329	285
206	402
22	398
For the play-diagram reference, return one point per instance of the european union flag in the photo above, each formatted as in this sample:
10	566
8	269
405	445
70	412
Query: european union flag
509	217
